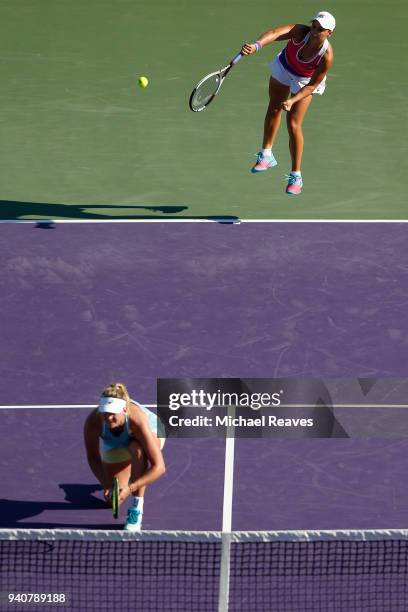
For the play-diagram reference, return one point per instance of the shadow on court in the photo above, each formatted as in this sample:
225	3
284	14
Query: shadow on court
77	497
10	210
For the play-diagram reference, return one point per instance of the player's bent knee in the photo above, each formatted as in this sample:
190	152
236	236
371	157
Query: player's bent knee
294	125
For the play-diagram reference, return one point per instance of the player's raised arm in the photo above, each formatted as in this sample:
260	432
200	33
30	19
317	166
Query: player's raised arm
280	33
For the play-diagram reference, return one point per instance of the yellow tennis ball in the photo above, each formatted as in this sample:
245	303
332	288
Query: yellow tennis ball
143	81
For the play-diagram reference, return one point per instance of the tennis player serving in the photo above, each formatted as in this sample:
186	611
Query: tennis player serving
131	449
300	69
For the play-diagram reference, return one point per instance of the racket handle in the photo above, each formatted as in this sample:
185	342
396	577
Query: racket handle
236	59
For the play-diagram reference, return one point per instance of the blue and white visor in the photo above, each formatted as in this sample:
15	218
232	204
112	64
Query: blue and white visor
111	404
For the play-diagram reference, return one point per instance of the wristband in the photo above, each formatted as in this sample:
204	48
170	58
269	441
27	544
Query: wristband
258	45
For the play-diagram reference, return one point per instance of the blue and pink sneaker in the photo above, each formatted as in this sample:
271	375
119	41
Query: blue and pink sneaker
295	184
263	163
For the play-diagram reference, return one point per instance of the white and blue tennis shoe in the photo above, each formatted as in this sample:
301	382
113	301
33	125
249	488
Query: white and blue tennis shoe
133	519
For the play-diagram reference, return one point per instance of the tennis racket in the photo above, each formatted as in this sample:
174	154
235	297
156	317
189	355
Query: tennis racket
115	498
206	89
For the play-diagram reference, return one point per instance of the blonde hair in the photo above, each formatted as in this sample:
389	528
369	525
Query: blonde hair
117	390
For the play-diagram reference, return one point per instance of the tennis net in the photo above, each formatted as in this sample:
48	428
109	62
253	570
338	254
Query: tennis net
294	571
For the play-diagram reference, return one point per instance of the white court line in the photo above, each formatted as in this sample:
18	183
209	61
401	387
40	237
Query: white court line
57	406
223	598
90	406
324	220
228	473
180	220
159	220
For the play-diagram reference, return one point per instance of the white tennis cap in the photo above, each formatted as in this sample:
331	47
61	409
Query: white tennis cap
114	405
326	20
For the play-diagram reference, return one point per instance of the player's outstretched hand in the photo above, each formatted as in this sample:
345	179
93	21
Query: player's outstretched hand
248	49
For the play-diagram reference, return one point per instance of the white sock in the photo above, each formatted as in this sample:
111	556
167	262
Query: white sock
296	173
267	152
137	502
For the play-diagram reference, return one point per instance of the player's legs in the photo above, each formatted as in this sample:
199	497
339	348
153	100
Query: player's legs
294	122
121	471
138	467
278	93
139	462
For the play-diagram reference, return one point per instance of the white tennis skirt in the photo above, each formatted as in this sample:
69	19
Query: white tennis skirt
296	83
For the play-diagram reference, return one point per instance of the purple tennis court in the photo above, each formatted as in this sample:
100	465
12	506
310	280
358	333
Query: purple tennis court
87	304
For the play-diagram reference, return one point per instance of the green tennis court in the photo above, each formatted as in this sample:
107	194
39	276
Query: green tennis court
81	139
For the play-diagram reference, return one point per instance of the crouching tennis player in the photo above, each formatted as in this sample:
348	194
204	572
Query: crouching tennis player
300	69
131	449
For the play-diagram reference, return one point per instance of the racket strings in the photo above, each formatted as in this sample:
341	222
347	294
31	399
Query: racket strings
205	91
